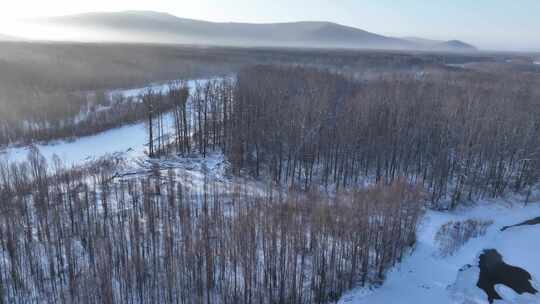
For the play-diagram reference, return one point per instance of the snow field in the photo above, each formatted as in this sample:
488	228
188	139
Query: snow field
427	277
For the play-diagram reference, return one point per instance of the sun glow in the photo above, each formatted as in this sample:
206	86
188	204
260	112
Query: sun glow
470	21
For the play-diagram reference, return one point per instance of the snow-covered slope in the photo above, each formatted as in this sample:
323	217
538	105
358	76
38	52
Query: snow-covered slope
427	277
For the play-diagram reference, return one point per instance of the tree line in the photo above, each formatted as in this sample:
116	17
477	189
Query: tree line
43	85
461	135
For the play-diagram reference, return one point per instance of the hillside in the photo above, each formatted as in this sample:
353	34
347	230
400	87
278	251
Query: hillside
144	26
456	45
438	45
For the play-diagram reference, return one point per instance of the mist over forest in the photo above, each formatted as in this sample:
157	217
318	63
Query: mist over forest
148	158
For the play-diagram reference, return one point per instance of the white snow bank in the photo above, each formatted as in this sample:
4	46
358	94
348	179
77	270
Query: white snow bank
426	277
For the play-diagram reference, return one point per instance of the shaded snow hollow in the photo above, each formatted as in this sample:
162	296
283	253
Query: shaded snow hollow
427	277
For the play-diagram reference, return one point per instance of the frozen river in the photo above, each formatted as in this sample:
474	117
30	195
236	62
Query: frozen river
129	140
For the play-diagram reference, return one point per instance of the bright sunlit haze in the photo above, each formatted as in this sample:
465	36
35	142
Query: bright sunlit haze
495	24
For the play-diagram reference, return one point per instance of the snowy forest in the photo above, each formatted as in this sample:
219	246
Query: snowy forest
304	127
270	180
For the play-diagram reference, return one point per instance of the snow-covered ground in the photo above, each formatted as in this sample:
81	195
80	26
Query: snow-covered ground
128	139
537	62
427	277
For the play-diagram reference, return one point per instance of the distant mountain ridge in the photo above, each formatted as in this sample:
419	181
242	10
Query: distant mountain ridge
455	45
155	27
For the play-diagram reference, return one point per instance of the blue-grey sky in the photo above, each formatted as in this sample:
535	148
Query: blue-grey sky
490	24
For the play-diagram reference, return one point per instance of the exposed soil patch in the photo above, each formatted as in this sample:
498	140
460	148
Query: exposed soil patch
493	271
535	221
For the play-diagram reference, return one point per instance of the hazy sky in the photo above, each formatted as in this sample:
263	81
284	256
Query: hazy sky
508	24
